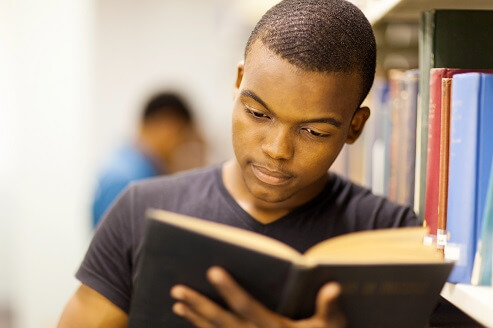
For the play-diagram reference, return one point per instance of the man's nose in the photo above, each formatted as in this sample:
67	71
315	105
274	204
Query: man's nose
278	144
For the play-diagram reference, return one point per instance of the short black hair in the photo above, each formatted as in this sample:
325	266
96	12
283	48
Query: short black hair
167	103
320	36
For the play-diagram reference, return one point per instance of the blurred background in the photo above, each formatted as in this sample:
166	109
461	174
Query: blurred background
73	79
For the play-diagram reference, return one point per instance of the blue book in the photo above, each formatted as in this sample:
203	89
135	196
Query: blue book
471	151
482	274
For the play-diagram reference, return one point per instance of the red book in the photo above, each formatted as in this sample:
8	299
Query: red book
434	136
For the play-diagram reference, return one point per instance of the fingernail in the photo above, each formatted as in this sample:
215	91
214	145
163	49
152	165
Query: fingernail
332	289
177	292
179	309
214	274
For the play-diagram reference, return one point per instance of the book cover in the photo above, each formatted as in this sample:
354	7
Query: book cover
483	262
380	125
444	163
396	89
388	277
448	38
408	151
471	152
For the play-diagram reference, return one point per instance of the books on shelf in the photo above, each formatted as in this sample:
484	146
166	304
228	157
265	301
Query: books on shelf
437	152
469	48
389	267
471	152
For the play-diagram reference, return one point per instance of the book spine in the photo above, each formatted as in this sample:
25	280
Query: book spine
396	78
463	169
426	62
433	151
444	163
482	270
292	296
412	78
378	157
485	151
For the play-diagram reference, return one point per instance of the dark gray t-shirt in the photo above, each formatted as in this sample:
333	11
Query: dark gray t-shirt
109	266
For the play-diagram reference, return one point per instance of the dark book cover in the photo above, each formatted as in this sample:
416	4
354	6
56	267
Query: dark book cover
384	295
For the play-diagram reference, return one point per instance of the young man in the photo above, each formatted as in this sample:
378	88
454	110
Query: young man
308	66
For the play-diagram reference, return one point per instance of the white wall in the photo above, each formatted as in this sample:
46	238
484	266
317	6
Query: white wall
73	75
45	162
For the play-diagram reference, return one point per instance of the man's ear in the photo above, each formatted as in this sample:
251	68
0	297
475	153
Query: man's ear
239	77
357	124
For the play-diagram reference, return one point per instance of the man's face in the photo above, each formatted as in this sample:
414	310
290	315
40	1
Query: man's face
289	125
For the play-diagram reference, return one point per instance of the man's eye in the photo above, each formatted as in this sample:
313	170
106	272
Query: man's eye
315	133
256	114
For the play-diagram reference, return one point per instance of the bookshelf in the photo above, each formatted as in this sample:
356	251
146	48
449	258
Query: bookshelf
475	301
379	11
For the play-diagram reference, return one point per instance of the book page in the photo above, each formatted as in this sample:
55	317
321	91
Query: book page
398	245
229	234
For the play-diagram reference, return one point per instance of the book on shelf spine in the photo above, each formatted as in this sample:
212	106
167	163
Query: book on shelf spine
483	262
471	151
433	150
425	64
409	97
396	86
444	163
381	127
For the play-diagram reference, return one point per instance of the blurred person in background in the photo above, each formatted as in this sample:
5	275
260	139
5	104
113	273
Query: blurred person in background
165	136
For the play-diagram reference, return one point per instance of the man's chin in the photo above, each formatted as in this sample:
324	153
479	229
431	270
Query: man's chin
270	197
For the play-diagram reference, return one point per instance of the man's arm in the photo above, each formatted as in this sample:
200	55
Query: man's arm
88	308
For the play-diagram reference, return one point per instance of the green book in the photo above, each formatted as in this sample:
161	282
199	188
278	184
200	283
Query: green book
448	39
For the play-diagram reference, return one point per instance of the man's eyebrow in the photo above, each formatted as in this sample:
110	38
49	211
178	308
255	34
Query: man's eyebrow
251	94
328	120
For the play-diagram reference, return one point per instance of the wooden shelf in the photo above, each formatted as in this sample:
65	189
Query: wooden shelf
379	11
475	301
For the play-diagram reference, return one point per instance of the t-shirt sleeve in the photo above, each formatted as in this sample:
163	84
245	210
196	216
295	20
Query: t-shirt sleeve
369	211
388	214
107	265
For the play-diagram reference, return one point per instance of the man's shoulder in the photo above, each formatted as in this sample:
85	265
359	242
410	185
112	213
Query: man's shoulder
361	202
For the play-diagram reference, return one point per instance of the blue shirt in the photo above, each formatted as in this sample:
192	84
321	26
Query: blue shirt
128	164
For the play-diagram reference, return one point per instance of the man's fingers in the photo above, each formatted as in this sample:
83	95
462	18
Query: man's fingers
240	301
327	298
200	308
327	304
183	311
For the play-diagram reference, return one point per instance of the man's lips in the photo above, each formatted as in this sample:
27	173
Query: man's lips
269	176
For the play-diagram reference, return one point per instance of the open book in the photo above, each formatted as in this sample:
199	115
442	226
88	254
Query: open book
389	278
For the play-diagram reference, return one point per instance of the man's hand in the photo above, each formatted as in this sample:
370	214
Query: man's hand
247	312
